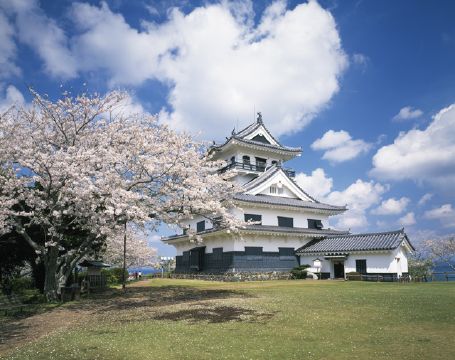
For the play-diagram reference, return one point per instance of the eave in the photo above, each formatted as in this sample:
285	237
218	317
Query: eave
233	141
287	207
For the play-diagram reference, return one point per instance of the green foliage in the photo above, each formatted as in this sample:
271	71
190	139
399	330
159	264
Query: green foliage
19	285
420	267
114	275
300	272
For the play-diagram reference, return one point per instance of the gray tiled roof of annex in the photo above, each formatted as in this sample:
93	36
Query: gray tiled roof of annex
356	242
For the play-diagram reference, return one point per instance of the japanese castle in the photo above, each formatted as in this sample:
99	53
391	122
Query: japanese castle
291	227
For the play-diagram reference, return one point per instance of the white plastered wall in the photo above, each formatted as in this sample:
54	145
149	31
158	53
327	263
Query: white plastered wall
393	261
269	243
270	216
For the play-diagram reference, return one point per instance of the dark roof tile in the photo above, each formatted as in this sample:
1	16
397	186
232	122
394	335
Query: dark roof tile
355	242
284	201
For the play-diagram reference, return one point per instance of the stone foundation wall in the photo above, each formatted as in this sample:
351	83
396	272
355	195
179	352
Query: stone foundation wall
233	277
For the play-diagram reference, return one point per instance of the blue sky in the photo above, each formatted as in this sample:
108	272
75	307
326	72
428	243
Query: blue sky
372	80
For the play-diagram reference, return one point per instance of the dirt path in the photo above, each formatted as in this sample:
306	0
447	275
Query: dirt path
18	331
139	303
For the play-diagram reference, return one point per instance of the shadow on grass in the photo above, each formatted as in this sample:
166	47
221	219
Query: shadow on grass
11	329
138	303
217	314
136	297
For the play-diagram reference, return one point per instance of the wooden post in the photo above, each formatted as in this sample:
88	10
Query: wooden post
124	260
447	276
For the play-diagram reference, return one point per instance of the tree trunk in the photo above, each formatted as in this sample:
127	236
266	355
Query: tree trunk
50	279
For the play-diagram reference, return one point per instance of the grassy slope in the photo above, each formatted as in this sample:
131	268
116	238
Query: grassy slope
267	320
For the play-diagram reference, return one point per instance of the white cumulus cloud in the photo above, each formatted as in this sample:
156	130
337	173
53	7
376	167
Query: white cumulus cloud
339	146
426	155
11	96
445	214
408	113
317	184
7	48
43	35
218	65
359	197
424	199
407	220
391	206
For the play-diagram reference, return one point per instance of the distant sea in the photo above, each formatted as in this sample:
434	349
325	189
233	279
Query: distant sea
144	270
440	268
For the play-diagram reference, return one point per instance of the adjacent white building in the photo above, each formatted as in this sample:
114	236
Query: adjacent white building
290	226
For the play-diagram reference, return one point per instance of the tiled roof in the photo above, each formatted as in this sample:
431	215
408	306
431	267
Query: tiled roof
271	146
269	173
261	178
268	228
355	242
249	129
240	136
284	201
295	230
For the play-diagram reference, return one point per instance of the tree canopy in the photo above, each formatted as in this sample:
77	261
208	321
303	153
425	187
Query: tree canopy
86	164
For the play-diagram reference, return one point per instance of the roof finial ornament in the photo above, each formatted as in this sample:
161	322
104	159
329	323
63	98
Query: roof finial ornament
233	131
259	118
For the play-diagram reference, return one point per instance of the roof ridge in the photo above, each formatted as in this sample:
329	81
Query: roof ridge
376	233
254	125
285	201
279	167
266	174
279	146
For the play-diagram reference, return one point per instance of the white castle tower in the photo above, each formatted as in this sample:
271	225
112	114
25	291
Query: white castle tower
286	216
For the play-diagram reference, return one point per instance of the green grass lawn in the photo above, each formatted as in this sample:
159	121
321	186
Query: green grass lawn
186	319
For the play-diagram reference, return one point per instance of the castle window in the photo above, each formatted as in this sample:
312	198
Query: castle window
233	160
253	217
361	266
200	226
273	189
261	164
285	221
246	162
314	224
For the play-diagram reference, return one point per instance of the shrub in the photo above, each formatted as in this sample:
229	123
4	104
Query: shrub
420	268
114	275
300	272
20	284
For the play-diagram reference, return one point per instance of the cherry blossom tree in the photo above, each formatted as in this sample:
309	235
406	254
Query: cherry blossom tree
138	251
88	163
442	250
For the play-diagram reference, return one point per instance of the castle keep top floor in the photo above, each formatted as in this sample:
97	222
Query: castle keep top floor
253	150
